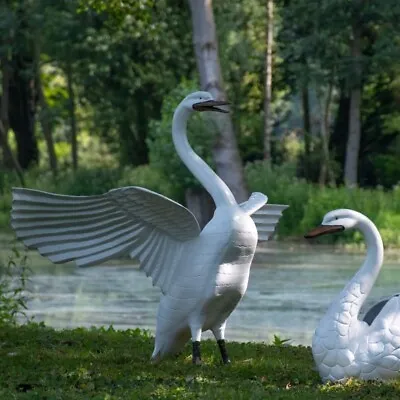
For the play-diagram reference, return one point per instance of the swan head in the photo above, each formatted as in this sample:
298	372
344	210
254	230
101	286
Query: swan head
203	101
336	221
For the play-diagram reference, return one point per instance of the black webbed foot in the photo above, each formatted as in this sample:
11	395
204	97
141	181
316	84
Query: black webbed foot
224	353
196	353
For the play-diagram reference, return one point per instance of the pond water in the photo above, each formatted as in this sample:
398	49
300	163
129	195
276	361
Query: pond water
289	290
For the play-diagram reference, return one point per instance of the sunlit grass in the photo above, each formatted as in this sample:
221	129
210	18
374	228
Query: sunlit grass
40	363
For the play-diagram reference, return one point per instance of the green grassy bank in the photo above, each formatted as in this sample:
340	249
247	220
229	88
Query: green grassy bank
37	362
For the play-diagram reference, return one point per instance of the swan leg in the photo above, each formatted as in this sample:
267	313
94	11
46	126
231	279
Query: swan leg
219	333
196	338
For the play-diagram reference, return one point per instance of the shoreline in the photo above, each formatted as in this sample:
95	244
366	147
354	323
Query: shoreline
275	245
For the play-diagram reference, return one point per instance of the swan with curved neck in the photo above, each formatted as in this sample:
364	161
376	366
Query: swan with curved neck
344	346
202	274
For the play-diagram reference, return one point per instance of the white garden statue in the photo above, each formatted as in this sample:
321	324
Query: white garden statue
344	346
202	274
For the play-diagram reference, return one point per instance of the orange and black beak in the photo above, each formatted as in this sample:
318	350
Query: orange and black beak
323	230
211	105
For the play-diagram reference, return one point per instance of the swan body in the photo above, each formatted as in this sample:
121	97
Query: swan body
207	296
202	274
344	346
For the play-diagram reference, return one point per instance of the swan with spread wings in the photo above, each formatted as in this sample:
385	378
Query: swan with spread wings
202	274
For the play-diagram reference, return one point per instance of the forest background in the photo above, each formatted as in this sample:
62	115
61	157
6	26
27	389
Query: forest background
88	89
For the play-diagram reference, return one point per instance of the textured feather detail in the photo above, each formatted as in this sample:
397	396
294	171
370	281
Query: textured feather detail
266	219
389	320
92	229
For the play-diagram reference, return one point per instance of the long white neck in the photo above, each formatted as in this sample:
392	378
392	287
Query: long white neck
207	177
357	290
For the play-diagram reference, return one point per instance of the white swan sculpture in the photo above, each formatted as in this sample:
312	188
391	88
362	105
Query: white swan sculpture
343	346
202	274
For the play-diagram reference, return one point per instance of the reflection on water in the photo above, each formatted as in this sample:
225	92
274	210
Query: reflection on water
290	288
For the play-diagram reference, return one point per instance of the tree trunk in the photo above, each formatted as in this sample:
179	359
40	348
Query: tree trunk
201	204
47	127
7	161
22	109
133	147
353	141
72	115
225	152
22	96
4	123
325	171
142	127
307	129
338	139
44	114
268	82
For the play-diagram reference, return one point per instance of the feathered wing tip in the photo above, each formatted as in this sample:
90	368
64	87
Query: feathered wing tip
266	219
92	229
160	352
155	357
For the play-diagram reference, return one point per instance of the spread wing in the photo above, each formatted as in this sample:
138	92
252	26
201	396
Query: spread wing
266	219
92	229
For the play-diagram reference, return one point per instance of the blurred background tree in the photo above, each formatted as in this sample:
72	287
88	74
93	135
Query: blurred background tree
89	87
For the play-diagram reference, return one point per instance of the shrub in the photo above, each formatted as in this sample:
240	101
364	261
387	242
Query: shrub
87	181
308	203
281	186
13	278
150	178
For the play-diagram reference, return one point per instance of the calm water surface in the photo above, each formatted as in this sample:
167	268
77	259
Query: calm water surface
290	288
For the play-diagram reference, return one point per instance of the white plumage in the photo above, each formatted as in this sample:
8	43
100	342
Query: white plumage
343	346
202	274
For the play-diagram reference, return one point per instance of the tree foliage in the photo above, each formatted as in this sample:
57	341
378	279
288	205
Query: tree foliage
162	151
122	63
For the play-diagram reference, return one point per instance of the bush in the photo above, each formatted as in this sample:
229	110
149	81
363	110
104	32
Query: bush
281	186
388	166
13	278
308	203
150	178
86	182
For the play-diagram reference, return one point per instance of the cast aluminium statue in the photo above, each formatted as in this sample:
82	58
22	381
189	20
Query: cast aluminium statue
202	274
343	346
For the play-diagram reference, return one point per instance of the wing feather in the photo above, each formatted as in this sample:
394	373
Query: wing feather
266	219
92	229
53	231
77	235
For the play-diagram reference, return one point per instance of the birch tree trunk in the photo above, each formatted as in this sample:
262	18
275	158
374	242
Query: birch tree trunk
268	82
225	152
353	141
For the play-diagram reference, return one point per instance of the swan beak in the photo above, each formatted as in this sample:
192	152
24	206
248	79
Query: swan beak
211	105
323	230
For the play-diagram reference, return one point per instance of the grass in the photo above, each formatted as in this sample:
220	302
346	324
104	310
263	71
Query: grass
37	362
